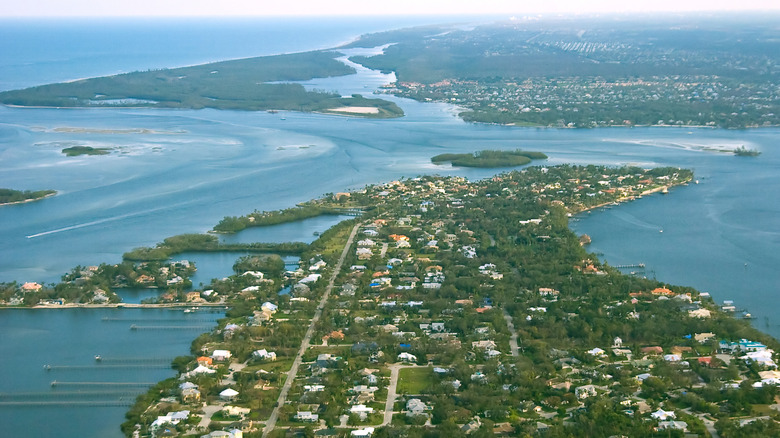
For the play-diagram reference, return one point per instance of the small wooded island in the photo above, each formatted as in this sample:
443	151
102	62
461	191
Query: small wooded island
75	151
11	196
489	158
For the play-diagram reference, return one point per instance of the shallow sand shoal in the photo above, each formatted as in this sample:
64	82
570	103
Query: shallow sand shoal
356	109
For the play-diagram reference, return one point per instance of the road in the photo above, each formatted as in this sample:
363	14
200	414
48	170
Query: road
395	369
513	339
271	423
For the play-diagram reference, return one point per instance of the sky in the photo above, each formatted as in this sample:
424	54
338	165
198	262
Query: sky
244	8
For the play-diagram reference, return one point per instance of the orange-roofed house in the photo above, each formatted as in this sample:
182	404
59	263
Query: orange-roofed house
705	361
205	361
31	287
652	350
662	291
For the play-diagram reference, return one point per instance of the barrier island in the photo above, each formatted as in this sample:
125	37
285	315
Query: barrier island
252	84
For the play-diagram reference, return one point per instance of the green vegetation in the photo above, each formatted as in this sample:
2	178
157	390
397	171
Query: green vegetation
414	381
482	254
75	151
584	73
742	151
264	83
234	224
10	196
207	243
490	159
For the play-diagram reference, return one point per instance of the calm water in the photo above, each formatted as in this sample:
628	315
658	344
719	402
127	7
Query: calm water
68	341
181	171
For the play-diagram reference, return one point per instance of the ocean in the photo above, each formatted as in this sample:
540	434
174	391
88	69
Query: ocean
180	171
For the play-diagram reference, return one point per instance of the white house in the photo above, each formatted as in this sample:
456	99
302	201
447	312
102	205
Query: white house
221	355
407	357
307	416
228	394
663	415
361	411
362	433
269	306
264	354
415	407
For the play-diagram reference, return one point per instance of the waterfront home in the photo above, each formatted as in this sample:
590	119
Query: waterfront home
197	371
193	296
205	361
172	418
190	395
31	287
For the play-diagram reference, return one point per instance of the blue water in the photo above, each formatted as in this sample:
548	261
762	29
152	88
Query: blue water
68	340
188	169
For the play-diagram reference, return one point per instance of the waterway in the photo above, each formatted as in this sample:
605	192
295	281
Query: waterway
180	171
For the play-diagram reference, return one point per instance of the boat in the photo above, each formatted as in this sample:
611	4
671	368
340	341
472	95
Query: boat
98	357
665	191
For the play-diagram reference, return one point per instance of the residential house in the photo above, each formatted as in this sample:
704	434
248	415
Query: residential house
307	416
221	355
407	357
264	354
228	394
415	407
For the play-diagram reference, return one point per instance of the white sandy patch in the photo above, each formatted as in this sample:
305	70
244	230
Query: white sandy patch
356	109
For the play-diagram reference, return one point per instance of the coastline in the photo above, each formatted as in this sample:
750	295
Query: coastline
30	200
117	306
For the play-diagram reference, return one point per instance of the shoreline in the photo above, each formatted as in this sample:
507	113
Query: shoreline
30	200
116	306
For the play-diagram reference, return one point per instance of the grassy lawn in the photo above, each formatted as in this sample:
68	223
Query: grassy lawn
414	380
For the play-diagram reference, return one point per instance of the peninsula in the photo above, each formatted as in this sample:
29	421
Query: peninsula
450	307
253	84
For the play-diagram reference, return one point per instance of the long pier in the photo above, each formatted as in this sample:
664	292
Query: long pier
56	383
103	367
171	327
635	265
86	403
109	319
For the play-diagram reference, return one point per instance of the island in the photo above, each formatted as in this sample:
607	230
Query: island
490	158
742	151
253	84
451	308
11	196
75	151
